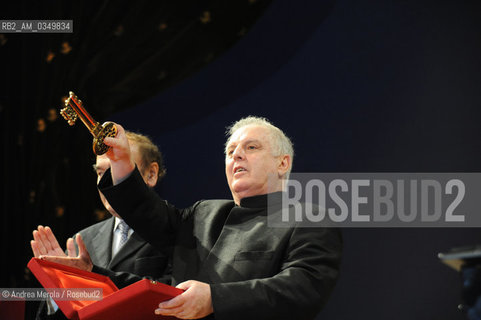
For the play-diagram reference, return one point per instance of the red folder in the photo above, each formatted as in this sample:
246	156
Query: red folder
137	301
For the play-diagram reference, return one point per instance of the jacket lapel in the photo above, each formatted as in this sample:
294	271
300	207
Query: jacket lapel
101	252
132	245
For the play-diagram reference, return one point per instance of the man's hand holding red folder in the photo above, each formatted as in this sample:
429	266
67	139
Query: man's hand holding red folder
194	303
45	246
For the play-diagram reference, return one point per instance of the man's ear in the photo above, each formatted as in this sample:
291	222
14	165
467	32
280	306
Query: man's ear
284	165
152	174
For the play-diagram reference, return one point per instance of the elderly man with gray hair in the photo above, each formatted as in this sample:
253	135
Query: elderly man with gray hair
228	261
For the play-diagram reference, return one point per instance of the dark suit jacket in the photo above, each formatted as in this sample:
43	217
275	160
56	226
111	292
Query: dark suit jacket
254	271
136	260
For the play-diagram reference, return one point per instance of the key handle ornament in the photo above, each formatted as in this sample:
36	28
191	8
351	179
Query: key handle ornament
74	109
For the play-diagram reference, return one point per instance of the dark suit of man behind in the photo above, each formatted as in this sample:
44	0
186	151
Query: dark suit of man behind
136	260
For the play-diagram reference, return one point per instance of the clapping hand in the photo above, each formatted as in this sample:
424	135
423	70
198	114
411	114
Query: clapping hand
45	246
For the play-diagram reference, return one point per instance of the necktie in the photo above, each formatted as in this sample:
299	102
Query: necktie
124	233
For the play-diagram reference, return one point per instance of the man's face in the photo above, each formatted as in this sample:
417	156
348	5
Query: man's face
250	167
102	164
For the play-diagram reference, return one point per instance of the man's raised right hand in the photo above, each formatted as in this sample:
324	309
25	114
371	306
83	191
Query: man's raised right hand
121	162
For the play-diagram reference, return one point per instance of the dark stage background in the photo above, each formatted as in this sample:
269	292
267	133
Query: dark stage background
360	86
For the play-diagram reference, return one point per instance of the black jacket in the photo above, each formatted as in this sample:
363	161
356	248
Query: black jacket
255	271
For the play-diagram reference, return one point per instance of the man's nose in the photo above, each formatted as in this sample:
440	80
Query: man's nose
238	153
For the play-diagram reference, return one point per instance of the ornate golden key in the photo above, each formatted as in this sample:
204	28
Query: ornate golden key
74	109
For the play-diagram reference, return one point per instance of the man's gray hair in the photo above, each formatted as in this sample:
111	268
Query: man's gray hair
280	143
